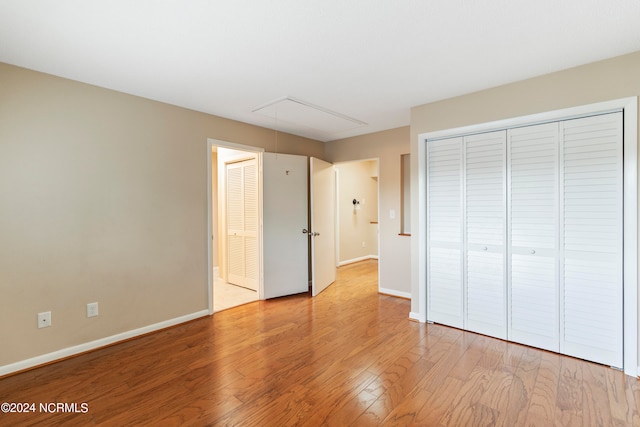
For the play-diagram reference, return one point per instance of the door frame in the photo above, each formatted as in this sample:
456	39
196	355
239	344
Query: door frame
211	142
629	108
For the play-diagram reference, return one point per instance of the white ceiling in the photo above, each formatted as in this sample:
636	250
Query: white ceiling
368	60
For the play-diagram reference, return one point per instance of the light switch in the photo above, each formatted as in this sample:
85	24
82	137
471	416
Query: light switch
392	214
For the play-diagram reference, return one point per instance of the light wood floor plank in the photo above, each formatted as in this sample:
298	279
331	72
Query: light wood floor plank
623	399
570	393
543	396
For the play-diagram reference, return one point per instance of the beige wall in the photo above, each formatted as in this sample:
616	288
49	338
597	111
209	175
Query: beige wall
386	146
103	198
600	81
358	237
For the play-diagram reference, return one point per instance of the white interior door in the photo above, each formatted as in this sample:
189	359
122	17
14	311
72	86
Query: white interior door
323	248
285	216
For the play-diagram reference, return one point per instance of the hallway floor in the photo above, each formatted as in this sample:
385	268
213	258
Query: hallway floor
226	295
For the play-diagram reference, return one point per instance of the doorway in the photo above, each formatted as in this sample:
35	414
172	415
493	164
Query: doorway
234	212
357	211
278	226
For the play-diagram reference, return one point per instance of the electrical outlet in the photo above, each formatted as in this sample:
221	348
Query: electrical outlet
44	319
92	309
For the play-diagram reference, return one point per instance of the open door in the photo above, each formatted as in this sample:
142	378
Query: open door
286	230
285	219
323	245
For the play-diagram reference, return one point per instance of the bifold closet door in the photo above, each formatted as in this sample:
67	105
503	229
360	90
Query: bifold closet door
242	223
533	230
484	212
591	257
525	235
466	187
444	238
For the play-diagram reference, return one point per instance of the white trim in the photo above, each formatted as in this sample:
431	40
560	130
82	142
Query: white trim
533	119
210	277
394	293
419	233
234	145
377	159
416	317
93	345
336	231
629	106
362	258
630	227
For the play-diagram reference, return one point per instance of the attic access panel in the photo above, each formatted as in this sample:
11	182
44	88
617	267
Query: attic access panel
295	116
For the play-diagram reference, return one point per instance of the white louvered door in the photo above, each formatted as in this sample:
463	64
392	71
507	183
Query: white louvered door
591	279
444	245
533	230
242	223
525	235
484	230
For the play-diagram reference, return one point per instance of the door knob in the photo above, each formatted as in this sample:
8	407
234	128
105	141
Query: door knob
305	231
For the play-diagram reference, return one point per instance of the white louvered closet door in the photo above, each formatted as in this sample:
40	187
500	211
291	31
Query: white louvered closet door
242	223
533	230
484	231
591	211
444	241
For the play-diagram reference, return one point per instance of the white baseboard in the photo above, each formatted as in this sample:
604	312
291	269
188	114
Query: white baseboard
362	258
394	293
92	345
416	317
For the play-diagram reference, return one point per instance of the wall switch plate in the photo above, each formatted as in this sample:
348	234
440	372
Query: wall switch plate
44	319
92	309
392	214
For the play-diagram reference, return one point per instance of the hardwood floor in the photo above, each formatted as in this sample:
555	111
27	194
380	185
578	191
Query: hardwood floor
347	357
